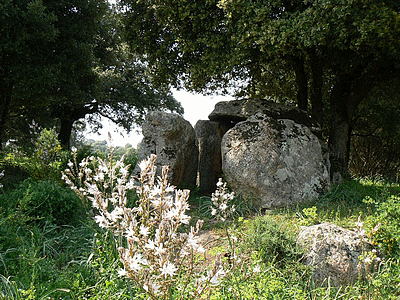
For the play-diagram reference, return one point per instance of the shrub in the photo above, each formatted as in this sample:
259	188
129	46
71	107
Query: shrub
384	225
42	201
44	161
271	239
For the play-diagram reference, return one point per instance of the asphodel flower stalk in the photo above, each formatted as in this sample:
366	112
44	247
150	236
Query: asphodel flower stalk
154	252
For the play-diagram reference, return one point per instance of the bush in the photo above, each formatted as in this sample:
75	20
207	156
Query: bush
271	239
44	161
384	225
42	201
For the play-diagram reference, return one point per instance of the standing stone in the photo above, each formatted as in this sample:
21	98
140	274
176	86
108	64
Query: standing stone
209	135
239	110
334	254
275	162
173	140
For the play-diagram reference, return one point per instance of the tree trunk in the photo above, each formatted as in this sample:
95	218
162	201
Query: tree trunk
339	144
316	89
64	135
348	92
340	126
68	114
302	84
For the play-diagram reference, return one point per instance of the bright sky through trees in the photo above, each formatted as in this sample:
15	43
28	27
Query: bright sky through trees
197	107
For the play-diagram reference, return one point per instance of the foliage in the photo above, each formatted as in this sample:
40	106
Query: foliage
63	60
326	56
384	224
27	31
43	161
41	201
272	239
105	78
1	175
60	262
46	157
375	141
100	148
216	40
308	216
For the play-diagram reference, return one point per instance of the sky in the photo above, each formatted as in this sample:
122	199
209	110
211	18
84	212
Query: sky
196	107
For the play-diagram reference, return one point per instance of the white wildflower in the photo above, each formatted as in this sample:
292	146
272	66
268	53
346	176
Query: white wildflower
216	278
220	183
124	171
144	230
83	163
136	262
184	253
117	213
155	288
367	260
154	250
143	164
192	241
102	221
223	206
168	269
150	245
130	232
256	269
200	249
170	189
99	176
130	185
159	250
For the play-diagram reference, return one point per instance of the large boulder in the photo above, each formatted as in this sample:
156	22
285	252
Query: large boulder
275	162
173	140
334	254
209	135
239	110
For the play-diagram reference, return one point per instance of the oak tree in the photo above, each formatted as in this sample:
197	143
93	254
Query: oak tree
326	55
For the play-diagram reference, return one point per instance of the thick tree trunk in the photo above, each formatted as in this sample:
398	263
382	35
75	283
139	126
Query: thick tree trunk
340	126
68	114
64	135
339	144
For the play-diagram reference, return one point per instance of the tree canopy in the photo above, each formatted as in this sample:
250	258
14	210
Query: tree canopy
63	60
26	31
325	55
102	76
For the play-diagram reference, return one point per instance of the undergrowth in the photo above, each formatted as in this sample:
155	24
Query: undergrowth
50	249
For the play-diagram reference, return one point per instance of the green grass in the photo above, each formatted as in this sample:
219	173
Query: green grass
45	260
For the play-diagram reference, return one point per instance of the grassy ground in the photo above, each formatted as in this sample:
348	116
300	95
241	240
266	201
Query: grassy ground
44	260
